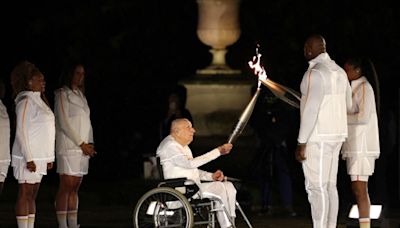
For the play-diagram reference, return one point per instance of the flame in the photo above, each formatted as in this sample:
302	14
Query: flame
288	95
259	70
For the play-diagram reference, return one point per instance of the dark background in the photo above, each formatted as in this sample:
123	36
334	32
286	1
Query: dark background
135	51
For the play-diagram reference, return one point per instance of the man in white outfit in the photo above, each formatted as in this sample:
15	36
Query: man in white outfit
326	96
177	161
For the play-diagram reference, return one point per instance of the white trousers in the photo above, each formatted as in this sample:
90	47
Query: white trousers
226	192
320	173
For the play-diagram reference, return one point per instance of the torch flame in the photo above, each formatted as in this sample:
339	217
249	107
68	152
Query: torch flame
288	95
259	70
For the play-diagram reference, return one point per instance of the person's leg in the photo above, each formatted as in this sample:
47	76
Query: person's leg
61	203
332	165
316	176
231	193
265	176
217	190
67	200
360	191
32	205
285	180
266	196
25	192
73	201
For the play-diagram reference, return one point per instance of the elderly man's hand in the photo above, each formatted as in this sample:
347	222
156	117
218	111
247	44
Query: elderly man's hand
225	149
218	175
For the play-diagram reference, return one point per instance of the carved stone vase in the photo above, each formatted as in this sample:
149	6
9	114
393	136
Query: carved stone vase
218	27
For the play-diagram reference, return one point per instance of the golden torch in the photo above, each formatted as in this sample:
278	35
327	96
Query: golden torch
286	94
244	117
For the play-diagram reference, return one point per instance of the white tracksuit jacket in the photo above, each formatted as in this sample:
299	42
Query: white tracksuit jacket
72	121
363	139
35	133
326	96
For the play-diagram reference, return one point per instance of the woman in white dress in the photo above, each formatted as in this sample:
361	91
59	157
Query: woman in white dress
74	143
33	148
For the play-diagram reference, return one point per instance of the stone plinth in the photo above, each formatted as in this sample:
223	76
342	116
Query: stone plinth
216	102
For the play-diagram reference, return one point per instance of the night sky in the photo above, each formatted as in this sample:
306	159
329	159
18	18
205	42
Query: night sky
135	51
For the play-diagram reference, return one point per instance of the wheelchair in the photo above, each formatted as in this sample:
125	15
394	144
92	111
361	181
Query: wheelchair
177	203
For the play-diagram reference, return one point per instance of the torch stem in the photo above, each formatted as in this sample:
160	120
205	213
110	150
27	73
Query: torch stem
244	117
283	92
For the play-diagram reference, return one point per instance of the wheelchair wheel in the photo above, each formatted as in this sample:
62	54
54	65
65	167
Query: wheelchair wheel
163	207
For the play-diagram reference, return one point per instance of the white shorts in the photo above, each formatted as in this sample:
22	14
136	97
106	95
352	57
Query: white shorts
73	165
3	170
2	177
359	178
23	175
361	166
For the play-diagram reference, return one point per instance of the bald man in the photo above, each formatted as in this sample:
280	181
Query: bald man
177	161
326	96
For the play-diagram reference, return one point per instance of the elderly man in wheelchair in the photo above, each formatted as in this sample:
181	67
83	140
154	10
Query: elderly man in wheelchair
172	204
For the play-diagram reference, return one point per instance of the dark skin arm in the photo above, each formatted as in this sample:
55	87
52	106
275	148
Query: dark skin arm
31	166
300	152
88	149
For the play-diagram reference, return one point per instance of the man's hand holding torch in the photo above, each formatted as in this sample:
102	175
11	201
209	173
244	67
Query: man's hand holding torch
225	148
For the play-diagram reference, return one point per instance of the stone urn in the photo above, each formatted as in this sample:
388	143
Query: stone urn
218	27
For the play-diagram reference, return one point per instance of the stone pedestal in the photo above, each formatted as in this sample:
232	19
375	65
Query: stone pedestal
216	102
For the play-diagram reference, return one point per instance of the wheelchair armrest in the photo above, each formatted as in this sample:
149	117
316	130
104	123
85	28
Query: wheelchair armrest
173	183
186	186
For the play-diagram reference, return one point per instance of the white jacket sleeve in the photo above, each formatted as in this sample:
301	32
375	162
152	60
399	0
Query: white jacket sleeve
24	112
312	96
204	175
61	108
181	160
363	100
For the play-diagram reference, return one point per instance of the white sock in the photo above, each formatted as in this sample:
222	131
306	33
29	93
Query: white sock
31	220
62	219
73	219
364	222
22	221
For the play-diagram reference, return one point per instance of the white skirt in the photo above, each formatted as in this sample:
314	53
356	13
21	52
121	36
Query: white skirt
73	165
